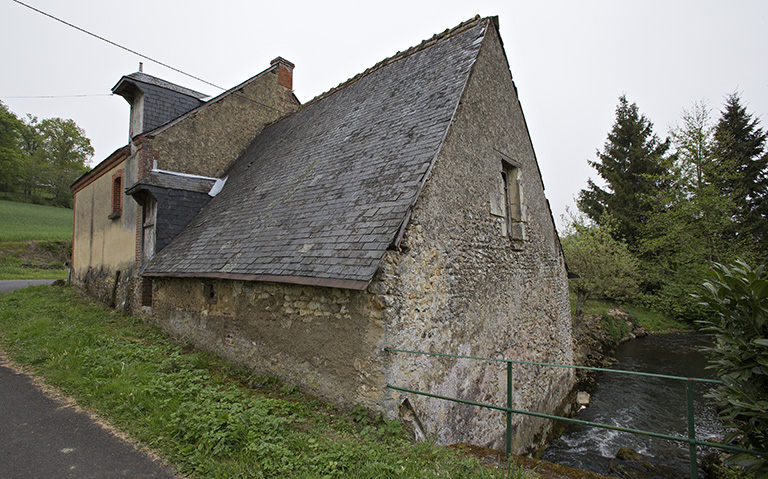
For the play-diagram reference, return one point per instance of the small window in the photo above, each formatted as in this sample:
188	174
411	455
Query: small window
117	195
146	292
513	202
209	292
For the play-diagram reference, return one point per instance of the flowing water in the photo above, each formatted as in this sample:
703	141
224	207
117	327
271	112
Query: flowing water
650	404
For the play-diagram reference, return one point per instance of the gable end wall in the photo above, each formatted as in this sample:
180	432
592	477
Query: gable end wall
458	285
208	140
462	287
103	244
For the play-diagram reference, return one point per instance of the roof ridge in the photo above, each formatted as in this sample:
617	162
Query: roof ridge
436	38
157	81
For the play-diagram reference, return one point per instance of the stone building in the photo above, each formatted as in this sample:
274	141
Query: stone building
403	209
184	133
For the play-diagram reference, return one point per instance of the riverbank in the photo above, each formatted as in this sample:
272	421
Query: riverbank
613	338
605	327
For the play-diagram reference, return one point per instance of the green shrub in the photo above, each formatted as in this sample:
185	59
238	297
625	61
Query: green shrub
739	297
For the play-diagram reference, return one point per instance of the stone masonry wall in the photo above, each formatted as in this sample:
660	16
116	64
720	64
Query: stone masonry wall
325	340
462	286
209	139
458	285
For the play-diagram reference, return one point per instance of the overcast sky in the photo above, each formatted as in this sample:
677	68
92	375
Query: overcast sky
570	60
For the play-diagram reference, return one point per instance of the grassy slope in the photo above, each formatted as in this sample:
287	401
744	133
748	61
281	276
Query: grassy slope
201	414
652	321
33	241
25	221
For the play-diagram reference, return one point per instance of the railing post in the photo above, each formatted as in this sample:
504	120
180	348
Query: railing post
510	384
691	429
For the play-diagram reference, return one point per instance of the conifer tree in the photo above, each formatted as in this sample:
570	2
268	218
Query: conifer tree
739	146
632	165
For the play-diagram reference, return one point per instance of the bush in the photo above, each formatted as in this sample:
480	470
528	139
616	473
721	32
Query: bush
739	297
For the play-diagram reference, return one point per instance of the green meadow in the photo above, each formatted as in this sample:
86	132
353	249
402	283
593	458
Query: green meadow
35	241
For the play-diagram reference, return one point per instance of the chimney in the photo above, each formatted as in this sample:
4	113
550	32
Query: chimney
284	72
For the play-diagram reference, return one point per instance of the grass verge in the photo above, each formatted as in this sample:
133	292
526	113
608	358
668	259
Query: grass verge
34	259
203	415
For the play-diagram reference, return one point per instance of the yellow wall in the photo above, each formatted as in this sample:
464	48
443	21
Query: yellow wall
101	242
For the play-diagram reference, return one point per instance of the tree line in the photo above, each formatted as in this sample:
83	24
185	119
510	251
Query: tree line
40	159
669	209
677	228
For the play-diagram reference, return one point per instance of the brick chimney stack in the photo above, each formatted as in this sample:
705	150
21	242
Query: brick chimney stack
284	72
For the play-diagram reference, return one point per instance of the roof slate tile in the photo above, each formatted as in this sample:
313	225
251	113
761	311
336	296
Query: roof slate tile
340	174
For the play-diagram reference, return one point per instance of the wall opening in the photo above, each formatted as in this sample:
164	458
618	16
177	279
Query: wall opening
209	292
513	202
149	217
146	292
117	195
113	297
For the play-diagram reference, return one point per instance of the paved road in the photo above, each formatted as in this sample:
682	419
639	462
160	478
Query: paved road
10	285
40	438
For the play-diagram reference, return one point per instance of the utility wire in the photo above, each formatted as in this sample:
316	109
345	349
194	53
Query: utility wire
55	96
142	56
117	45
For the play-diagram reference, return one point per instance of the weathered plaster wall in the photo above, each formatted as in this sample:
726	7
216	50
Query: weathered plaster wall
102	245
209	139
325	340
463	287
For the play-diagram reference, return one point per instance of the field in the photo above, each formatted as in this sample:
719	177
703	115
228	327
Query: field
35	241
25	222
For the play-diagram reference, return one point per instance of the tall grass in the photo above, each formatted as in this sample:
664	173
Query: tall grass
25	221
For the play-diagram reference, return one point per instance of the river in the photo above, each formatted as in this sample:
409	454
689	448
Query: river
650	404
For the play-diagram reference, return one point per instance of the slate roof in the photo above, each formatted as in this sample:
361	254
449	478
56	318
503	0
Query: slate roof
163	100
152	80
179	199
174	181
319	196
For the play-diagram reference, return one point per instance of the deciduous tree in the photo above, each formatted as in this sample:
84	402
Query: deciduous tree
11	155
605	267
688	222
66	150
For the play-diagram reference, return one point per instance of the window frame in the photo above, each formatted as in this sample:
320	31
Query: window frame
514	209
117	195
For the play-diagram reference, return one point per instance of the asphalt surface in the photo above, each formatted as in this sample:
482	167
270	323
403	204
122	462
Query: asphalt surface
42	438
10	285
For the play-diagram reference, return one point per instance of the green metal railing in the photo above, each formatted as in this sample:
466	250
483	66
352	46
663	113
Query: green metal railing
510	410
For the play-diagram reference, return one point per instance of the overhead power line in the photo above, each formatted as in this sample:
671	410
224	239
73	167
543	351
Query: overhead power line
117	44
35	97
143	56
